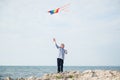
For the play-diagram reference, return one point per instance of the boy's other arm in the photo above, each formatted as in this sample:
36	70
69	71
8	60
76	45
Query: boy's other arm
66	52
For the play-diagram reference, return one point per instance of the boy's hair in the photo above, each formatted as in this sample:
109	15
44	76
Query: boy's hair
62	44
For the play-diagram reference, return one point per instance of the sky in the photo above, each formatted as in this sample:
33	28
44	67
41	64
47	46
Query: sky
90	30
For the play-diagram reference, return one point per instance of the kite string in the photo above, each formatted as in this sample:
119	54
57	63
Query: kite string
64	7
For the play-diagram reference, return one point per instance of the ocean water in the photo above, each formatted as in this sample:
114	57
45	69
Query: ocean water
38	71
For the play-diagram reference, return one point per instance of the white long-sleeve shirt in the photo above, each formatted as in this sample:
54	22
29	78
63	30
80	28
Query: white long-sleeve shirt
62	52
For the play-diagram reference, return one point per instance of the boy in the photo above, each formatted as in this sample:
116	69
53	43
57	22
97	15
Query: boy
60	59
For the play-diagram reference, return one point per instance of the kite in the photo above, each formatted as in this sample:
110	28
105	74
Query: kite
57	10
54	11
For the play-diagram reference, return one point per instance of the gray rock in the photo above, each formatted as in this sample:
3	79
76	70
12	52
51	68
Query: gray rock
8	78
76	75
32	78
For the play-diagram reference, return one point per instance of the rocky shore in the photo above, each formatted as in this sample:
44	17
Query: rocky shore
77	75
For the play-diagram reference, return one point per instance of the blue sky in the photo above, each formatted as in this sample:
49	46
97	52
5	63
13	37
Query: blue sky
90	31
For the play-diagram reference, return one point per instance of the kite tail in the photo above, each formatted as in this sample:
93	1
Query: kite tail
65	6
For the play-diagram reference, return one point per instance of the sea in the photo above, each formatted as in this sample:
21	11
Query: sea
38	71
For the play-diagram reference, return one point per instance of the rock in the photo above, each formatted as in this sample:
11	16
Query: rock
21	79
8	78
76	75
38	79
32	78
87	74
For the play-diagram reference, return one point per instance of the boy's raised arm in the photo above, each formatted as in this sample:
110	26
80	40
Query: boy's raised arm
54	40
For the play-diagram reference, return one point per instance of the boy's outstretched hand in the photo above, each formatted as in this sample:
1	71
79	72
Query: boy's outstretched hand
54	40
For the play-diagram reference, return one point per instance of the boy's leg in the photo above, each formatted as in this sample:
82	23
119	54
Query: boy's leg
58	65
61	65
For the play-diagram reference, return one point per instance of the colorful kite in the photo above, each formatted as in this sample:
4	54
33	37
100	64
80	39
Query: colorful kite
63	8
54	11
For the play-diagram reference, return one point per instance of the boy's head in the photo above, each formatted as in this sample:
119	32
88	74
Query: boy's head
62	45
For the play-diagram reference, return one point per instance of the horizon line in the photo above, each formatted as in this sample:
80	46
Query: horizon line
64	65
